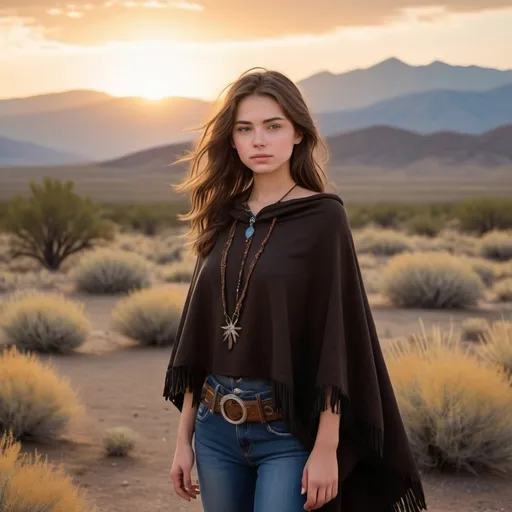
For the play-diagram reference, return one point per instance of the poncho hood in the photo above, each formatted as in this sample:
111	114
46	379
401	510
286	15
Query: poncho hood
307	326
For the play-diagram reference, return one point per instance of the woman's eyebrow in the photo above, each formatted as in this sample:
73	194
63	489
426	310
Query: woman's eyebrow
264	121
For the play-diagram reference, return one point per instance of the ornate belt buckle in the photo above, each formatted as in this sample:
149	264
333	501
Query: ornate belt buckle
240	402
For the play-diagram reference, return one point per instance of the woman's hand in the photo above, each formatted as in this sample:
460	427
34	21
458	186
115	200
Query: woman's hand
320	477
181	472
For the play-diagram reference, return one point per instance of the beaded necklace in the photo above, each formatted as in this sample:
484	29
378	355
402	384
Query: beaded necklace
230	328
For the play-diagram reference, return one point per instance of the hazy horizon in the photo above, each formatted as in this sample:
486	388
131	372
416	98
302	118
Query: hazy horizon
156	48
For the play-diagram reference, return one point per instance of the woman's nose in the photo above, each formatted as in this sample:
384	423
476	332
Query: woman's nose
258	138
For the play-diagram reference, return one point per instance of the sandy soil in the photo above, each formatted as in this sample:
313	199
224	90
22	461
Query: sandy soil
121	385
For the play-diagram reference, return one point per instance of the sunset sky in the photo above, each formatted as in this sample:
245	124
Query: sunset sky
155	48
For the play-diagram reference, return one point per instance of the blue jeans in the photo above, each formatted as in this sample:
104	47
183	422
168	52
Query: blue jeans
252	467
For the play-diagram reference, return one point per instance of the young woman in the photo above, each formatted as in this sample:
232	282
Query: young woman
277	368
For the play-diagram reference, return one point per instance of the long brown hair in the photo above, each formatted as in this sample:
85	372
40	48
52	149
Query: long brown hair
217	175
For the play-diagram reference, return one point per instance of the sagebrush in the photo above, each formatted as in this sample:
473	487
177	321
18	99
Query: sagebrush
108	271
36	403
151	316
457	409
28	483
119	441
431	280
44	322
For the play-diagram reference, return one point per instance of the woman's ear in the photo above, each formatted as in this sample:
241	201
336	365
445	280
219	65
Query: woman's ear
298	138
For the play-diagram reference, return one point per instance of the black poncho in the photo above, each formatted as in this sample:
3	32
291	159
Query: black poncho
306	325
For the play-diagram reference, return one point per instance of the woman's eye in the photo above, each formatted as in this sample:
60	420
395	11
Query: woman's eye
275	126
243	129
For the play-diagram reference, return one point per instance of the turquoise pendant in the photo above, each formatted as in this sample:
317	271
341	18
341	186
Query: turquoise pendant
250	230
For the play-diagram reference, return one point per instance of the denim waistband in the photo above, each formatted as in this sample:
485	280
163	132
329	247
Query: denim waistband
245	388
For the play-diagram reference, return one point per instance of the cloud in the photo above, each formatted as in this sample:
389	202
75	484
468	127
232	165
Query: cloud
89	22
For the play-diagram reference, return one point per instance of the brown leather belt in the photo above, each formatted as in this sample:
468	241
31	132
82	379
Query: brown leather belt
238	411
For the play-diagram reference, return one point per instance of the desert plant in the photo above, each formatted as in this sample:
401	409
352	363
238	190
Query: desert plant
480	215
503	290
425	224
119	441
473	329
30	484
457	409
382	242
150	316
497	345
486	270
431	280
53	223
110	271
8	282
179	272
497	245
35	402
44	322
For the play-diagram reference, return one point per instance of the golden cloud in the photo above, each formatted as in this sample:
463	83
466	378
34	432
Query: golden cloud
97	21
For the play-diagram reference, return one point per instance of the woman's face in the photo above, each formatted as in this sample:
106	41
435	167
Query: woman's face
263	137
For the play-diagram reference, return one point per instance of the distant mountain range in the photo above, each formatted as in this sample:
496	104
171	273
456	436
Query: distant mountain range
380	146
424	99
461	111
327	92
13	152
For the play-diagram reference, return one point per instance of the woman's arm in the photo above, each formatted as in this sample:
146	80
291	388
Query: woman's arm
183	462
328	428
187	420
320	476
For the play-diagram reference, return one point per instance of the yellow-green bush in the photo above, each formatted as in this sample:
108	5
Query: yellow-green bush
457	409
44	322
109	271
35	402
485	269
150	316
503	290
30	484
473	329
497	345
180	272
497	245
119	441
8	282
431	280
382	242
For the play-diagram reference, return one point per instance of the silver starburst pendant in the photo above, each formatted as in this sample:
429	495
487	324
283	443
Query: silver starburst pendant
230	332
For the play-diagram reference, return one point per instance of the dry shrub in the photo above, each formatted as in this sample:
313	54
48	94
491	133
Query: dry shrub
44	322
30	484
8	282
503	269
119	441
150	316
457	409
431	280
459	243
110	271
497	345
368	261
180	272
485	269
497	245
473	329
35	402
503	290
382	242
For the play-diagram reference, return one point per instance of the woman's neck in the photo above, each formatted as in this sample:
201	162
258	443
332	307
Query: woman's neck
269	188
